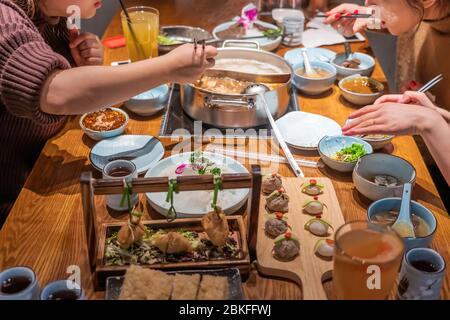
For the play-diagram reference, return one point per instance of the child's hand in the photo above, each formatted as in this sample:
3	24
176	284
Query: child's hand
86	49
187	64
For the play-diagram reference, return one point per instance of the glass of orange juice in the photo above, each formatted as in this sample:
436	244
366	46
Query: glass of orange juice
367	259
141	32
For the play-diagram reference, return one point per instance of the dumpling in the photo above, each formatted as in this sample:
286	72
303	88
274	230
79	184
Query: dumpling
278	201
271	183
172	242
216	227
131	232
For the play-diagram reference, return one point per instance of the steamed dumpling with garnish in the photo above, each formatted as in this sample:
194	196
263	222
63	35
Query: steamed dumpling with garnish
278	201
172	242
271	183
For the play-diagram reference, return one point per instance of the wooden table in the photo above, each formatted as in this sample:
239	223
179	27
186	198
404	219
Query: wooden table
45	228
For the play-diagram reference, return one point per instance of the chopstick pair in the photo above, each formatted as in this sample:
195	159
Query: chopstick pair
196	43
430	84
351	16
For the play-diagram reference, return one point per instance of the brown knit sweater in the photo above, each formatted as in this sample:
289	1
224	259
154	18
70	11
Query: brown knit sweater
29	52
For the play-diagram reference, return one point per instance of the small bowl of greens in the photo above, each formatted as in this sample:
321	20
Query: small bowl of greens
341	153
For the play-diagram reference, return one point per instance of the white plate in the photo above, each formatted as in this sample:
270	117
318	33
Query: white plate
194	204
127	143
315	54
264	43
303	130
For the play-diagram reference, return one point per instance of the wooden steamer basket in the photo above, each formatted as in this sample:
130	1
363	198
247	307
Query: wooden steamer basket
97	230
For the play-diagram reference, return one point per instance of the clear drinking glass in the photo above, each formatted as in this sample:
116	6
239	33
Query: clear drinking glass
142	34
367	258
293	30
120	170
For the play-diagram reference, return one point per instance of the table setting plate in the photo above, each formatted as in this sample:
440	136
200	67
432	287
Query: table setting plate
303	130
106	150
195	204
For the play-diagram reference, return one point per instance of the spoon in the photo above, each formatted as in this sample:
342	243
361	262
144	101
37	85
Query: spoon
260	89
308	69
403	225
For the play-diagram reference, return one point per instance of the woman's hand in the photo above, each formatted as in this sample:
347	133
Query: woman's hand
409	97
414	98
186	64
390	118
87	50
347	27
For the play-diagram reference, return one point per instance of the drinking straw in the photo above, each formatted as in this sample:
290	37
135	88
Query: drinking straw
131	28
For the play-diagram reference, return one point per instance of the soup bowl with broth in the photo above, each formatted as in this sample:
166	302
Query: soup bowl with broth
385	212
314	84
361	90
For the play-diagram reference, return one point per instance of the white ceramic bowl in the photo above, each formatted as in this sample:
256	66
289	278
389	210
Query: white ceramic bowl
100	135
328	147
382	164
361	99
150	102
311	86
365	69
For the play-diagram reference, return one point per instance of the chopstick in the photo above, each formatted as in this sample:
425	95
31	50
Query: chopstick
352	16
263	157
430	84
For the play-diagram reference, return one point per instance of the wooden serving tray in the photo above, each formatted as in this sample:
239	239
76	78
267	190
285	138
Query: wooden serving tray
307	270
235	223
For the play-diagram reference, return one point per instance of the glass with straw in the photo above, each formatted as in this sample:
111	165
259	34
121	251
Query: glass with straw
141	28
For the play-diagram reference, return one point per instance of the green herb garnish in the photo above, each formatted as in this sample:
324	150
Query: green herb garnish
273	33
165	41
350	154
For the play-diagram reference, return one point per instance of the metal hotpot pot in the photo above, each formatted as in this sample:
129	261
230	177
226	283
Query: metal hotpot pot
238	110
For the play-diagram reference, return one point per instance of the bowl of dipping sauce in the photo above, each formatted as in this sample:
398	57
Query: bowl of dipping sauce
359	63
341	153
385	212
361	90
150	102
377	141
105	123
319	82
378	176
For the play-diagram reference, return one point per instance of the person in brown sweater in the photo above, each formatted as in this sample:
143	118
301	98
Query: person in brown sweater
45	75
423	30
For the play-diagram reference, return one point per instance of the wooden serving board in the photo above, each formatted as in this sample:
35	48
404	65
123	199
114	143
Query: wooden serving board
307	270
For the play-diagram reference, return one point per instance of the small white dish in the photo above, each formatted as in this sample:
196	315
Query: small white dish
303	130
294	56
110	147
280	13
150	102
264	43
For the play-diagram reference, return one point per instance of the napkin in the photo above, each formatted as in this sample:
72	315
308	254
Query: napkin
319	34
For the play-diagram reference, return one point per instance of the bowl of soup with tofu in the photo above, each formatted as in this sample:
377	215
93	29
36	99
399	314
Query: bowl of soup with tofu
361	90
385	212
318	82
